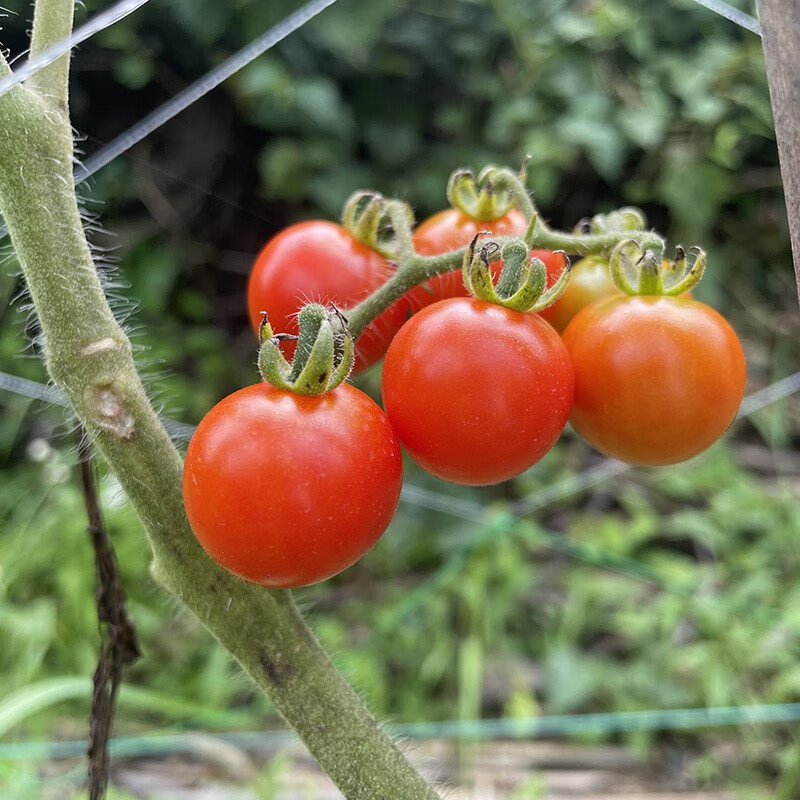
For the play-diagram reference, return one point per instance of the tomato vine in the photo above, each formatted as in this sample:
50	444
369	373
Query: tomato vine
390	233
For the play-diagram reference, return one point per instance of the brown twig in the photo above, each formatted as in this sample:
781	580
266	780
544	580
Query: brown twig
119	644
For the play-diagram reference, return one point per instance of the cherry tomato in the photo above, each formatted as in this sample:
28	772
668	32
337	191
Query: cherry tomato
286	490
452	229
477	393
657	379
320	261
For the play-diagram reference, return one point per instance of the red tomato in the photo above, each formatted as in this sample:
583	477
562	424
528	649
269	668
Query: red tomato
321	262
286	490
477	393
452	229
657	379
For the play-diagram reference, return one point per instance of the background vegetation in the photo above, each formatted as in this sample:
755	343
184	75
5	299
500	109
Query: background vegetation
661	105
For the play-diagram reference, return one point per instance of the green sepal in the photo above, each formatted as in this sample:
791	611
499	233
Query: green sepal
362	215
380	224
621	220
478	197
324	356
652	275
682	276
522	281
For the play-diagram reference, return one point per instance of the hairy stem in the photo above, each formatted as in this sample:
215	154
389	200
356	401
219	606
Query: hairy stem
52	23
411	272
89	357
586	245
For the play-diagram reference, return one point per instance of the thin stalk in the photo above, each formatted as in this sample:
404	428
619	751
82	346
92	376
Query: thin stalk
411	272
591	244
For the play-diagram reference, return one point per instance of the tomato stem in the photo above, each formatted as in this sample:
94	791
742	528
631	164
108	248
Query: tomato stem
52	22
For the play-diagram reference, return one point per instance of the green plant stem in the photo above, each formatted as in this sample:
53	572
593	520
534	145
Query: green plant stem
52	23
89	357
411	272
585	245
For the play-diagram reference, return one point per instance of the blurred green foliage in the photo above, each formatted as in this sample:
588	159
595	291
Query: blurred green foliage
662	105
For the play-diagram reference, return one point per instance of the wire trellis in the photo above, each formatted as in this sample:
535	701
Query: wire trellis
105	19
733	14
464	730
192	93
181	101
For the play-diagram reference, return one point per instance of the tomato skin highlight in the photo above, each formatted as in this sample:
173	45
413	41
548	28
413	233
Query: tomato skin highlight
477	393
320	261
286	490
657	379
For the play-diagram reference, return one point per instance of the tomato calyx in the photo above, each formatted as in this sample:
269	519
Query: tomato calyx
481	197
324	356
380	224
651	274
522	283
362	216
627	218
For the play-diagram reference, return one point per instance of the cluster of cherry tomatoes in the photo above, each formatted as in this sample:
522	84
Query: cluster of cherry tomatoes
287	489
